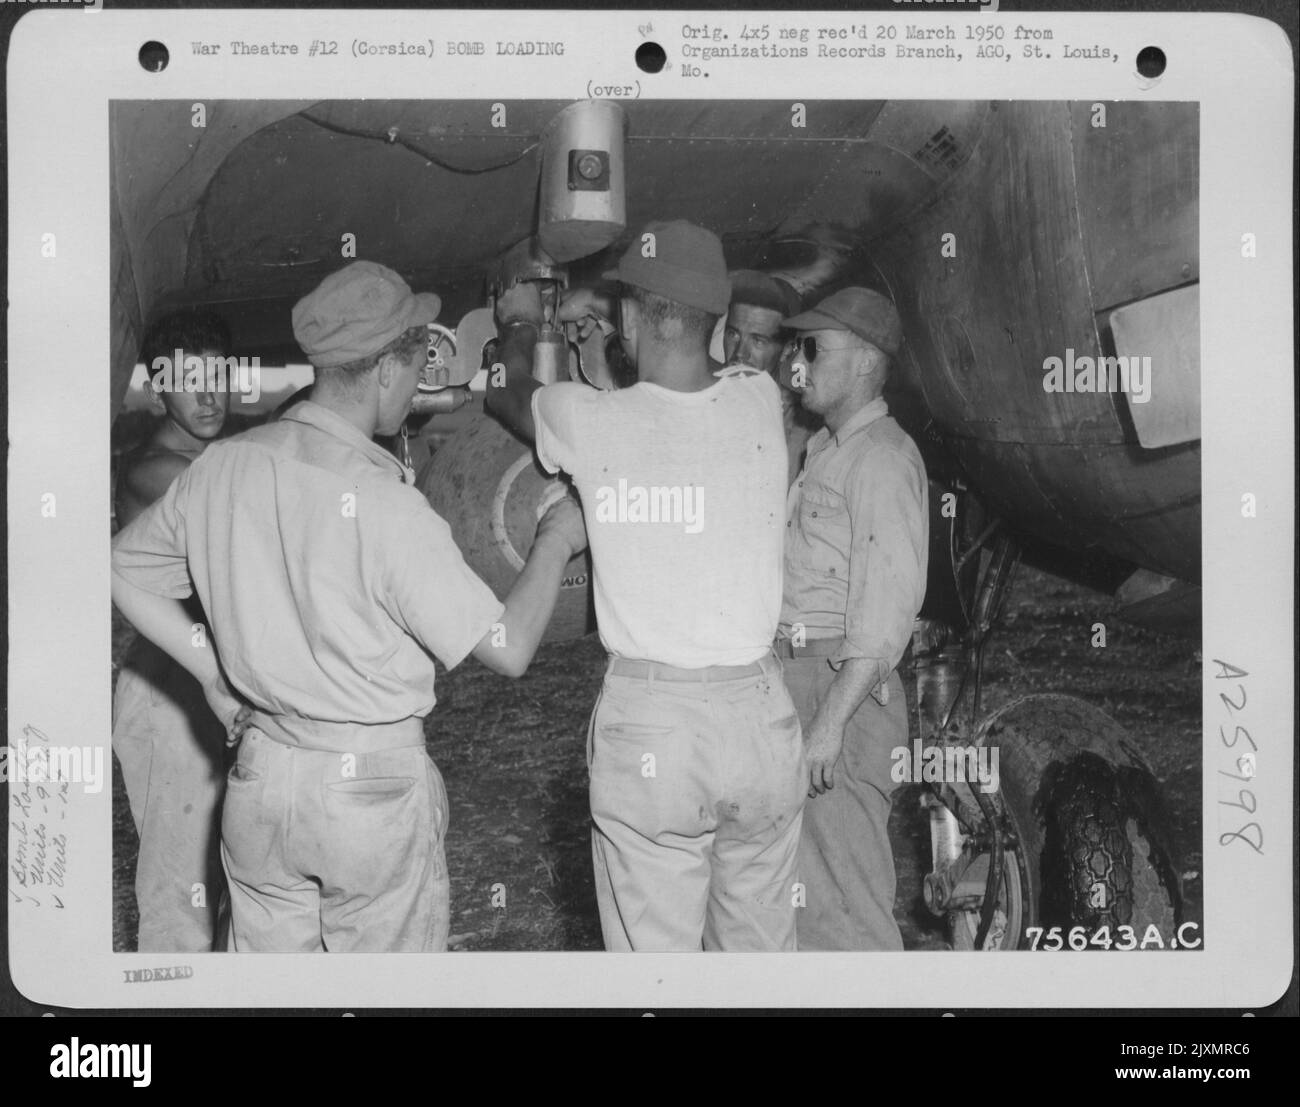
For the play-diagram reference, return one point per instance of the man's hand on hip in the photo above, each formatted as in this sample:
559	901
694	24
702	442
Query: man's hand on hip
232	712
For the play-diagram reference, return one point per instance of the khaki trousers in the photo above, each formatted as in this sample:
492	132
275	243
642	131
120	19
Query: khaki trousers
170	747
335	851
846	863
696	793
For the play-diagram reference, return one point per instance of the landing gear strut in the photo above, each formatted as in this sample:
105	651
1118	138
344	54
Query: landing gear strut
1076	821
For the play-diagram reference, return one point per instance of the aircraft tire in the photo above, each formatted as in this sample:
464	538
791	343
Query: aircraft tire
1089	834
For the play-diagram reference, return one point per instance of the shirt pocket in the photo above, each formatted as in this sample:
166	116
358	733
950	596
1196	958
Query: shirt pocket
825	532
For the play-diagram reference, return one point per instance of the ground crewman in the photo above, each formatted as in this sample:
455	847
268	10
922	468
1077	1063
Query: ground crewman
166	739
756	335
696	762
331	585
856	552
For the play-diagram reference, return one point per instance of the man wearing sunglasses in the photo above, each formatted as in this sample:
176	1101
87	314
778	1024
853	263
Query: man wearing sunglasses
855	564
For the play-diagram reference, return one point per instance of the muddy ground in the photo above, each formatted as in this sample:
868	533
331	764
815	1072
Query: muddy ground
512	755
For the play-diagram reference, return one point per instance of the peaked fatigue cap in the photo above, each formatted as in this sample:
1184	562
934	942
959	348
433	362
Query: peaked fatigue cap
867	314
687	266
357	311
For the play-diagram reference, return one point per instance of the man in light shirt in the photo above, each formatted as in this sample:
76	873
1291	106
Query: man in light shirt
331	585
694	749
856	552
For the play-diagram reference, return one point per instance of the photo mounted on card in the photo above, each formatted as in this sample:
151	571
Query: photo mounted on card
812	487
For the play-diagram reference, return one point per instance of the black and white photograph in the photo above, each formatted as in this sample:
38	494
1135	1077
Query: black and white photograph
976	566
552	502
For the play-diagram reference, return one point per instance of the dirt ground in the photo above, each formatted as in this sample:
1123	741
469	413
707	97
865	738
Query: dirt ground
512	755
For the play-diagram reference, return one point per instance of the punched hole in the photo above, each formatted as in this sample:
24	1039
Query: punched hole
650	57
1151	62
154	57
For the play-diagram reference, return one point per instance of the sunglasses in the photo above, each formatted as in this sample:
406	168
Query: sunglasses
809	347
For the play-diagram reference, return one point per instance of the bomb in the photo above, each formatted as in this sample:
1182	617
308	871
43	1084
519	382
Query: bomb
487	484
484	481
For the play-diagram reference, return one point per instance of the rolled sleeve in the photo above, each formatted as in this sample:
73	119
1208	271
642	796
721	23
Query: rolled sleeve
557	421
433	594
886	496
150	551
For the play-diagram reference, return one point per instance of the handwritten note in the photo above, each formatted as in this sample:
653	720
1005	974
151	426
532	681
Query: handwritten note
38	825
1244	764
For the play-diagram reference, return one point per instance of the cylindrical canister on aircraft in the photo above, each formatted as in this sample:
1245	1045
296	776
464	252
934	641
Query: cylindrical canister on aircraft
487	485
551	356
583	199
439	403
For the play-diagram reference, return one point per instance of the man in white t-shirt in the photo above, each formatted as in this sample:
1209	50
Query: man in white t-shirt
694	749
